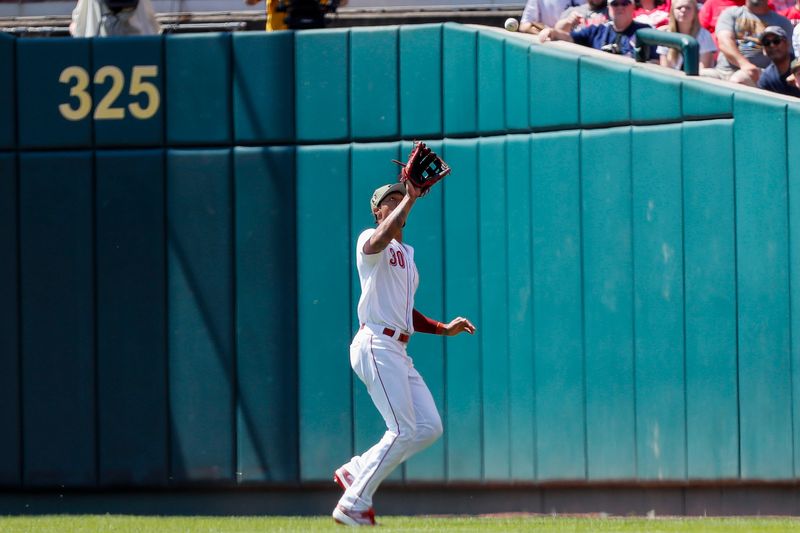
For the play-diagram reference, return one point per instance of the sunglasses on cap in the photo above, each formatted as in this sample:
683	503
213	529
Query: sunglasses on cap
772	42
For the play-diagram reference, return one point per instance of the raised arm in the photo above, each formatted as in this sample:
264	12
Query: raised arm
392	226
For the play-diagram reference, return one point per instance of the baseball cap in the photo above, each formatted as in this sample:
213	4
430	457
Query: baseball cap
382	192
774	30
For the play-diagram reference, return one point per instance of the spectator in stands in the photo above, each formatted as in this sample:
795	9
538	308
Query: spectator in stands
794	77
652	12
275	18
297	14
774	78
617	36
683	19
710	12
579	17
738	28
792	13
92	18
780	6
796	41
540	13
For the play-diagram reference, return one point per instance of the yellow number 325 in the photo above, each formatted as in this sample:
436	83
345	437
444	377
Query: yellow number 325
78	80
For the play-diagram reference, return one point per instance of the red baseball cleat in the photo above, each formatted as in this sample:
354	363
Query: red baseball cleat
349	517
343	478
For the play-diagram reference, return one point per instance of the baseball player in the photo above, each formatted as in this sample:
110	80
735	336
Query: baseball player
378	355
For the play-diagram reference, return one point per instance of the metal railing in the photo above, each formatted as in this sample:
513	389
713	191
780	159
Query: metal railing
687	45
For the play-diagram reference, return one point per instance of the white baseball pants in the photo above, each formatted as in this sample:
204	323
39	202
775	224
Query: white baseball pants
407	407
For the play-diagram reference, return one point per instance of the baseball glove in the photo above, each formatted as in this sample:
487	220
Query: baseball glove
423	168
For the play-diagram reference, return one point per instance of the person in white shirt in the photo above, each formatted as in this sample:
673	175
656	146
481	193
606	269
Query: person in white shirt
92	18
796	41
544	12
389	279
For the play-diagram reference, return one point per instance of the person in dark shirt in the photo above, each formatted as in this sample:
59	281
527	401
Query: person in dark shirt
776	46
617	36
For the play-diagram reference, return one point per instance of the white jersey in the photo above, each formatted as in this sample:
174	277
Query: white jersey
389	280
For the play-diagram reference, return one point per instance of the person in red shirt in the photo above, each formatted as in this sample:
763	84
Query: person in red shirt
792	13
652	12
710	12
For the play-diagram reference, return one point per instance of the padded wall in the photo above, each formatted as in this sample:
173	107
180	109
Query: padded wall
374	87
793	169
557	305
521	395
8	122
200	314
9	324
658	303
608	303
266	314
131	318
181	289
463	421
712	417
762	271
263	87
58	319
322	85
198	113
421	83
493	336
324	254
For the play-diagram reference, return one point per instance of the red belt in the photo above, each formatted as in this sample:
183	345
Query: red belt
389	332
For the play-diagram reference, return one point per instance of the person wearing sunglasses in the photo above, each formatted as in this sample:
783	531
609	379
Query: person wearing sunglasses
617	36
741	59
774	78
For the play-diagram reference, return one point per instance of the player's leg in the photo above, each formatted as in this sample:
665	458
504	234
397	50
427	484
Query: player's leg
384	368
429	423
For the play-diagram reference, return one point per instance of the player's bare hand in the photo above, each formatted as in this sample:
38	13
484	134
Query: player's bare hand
459	325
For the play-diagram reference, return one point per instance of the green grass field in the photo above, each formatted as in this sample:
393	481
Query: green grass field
153	524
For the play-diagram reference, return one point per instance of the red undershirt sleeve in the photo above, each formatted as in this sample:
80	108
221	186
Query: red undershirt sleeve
423	324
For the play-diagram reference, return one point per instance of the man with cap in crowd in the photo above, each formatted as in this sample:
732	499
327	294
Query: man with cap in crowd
741	59
774	78
388	318
617	36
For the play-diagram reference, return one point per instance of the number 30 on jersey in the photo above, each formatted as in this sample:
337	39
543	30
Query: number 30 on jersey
397	259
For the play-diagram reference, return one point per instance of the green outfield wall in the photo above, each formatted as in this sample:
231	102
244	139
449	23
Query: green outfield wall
178	286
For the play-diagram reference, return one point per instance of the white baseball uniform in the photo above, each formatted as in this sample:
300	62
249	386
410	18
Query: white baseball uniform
389	280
